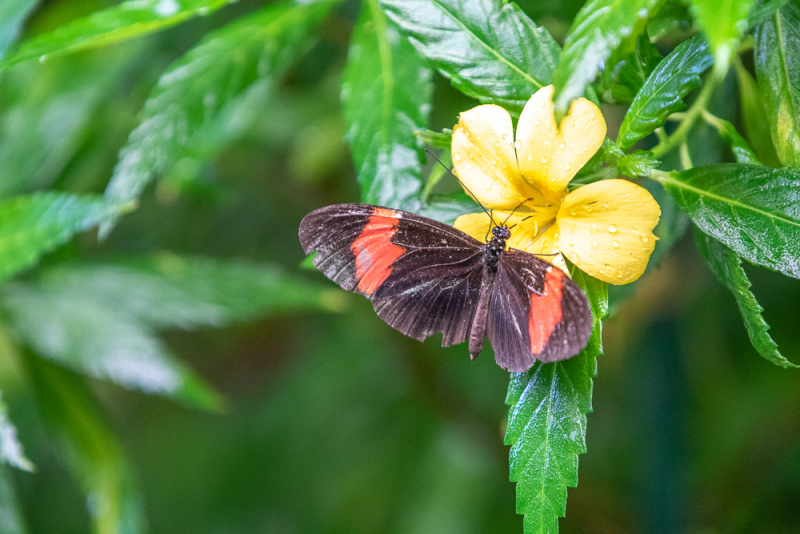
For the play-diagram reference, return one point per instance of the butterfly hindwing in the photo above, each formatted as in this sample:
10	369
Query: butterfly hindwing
536	313
422	276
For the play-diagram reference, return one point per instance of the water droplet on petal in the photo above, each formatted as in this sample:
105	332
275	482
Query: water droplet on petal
612	228
487	184
517	145
574	258
593	228
536	122
645	239
605	204
544	160
616	244
494	162
562	145
566	166
458	157
594	246
602	271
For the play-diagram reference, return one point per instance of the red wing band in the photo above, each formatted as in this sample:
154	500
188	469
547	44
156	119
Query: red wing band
374	251
545	311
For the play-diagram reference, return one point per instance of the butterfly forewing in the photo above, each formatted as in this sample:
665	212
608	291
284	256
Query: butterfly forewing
422	276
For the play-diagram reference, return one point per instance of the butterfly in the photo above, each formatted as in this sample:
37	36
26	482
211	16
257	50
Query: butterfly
424	277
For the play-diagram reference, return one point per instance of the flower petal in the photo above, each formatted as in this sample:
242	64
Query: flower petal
484	158
550	156
607	229
547	246
474	224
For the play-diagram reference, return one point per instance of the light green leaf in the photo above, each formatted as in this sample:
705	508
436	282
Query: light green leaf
12	15
663	92
547	423
777	57
10	448
723	22
127	20
386	94
489	49
32	225
727	131
727	267
70	411
754	210
169	291
195	92
597	31
81	333
11	521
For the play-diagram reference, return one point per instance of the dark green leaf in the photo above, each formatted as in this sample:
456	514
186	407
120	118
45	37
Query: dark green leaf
777	56
760	12
12	15
672	15
195	92
755	119
547	423
124	21
741	150
662	93
489	49
723	22
628	67
50	109
10	448
386	93
727	267
448	209
33	225
596	32
91	450
754	210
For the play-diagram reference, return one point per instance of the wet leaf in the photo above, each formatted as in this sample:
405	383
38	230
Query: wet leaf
547	423
727	267
196	90
754	210
597	31
754	116
118	23
777	57
35	224
489	49
386	94
663	92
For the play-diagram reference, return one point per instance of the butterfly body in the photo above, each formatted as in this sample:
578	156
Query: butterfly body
425	277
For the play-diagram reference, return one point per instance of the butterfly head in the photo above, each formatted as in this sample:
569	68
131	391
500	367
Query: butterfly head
501	232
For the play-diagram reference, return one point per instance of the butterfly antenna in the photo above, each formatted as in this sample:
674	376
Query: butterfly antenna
515	209
462	185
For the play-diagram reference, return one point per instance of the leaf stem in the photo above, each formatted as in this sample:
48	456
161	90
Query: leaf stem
689	118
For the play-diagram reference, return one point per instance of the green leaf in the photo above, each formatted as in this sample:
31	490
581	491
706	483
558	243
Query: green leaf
596	32
81	333
727	267
386	94
489	49
12	15
71	413
35	224
727	131
628	67
723	22
547	423
448	209
169	291
639	163
195	92
662	93
118	23
777	58
10	517
754	210
760	12
10	448
754	116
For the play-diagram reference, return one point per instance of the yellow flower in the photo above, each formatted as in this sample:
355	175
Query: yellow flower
604	228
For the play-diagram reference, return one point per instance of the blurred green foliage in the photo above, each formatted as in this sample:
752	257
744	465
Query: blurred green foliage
167	366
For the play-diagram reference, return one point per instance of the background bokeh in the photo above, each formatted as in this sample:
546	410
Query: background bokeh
332	421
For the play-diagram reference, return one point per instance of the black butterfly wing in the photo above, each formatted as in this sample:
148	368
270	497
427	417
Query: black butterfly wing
536	313
422	276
